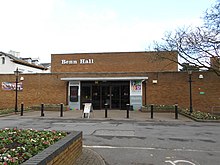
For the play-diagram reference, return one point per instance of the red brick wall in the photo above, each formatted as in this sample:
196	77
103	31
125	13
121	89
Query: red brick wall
37	89
115	62
172	87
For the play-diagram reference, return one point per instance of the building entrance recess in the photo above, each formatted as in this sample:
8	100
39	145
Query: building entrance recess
115	93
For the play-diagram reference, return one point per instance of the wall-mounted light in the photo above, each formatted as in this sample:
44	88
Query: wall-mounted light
201	76
154	81
22	79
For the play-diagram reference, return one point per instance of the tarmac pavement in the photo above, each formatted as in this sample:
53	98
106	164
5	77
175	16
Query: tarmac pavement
89	156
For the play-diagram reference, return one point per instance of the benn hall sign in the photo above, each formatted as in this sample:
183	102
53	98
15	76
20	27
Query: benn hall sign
80	61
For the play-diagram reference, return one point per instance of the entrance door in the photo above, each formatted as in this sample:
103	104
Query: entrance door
112	96
125	96
105	99
96	97
115	97
115	94
86	94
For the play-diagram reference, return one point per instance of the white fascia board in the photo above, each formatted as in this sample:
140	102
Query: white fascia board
103	78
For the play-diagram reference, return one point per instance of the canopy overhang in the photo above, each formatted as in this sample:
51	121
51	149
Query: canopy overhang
103	78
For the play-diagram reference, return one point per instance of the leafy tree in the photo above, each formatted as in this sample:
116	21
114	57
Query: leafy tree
199	46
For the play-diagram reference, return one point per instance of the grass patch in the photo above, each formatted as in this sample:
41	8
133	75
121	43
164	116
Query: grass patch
17	145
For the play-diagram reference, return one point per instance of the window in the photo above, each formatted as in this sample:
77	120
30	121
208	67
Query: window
3	60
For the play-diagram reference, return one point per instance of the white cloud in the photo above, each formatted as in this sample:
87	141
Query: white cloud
38	28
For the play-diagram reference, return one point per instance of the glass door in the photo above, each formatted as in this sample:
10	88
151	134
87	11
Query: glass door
105	98
86	94
115	97
115	94
125	96
96	97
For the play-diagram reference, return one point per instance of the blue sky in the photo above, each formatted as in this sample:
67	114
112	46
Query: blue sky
39	28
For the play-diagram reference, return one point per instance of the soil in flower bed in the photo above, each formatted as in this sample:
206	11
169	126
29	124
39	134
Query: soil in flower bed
17	145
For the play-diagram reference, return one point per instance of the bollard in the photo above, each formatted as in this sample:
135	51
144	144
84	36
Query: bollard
22	108
152	111
42	109
106	110
176	111
61	110
128	107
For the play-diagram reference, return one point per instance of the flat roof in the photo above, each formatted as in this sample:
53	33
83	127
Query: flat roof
112	53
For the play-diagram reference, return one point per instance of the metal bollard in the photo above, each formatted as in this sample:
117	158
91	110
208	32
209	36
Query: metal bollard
22	108
42	109
176	111
106	110
61	110
128	108
151	111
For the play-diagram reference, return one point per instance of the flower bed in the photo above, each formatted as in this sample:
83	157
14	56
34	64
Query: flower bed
158	108
195	115
17	146
199	116
4	112
49	107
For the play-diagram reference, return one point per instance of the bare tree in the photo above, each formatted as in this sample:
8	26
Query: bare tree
200	46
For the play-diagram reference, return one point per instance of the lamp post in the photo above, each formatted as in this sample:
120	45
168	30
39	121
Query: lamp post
190	92
16	90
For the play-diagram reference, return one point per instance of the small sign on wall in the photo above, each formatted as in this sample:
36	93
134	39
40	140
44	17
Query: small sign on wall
136	87
9	86
201	92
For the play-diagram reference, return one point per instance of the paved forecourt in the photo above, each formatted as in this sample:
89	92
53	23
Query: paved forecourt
111	114
98	132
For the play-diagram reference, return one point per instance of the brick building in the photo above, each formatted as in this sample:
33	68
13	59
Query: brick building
117	79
